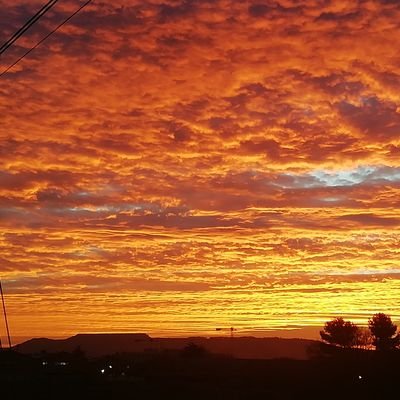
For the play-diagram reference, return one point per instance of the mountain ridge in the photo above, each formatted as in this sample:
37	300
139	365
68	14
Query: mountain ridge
97	345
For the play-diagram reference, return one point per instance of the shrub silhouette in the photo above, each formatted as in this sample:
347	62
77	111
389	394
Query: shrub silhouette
383	332
193	350
339	332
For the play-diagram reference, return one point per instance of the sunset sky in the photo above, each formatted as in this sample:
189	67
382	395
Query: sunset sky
173	166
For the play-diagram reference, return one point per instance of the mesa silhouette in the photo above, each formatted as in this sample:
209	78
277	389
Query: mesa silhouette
97	345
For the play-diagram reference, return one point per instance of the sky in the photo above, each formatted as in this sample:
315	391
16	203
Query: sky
174	166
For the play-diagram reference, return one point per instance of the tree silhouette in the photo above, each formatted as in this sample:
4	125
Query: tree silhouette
339	332
364	339
193	350
383	332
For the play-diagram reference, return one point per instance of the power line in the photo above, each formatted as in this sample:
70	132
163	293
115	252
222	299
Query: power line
46	37
27	25
5	315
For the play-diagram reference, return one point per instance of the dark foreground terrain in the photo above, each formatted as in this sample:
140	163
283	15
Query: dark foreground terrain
193	373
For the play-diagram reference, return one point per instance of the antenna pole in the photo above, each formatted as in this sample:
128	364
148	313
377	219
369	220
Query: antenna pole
5	315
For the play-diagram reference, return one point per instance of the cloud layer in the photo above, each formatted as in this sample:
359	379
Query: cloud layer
169	166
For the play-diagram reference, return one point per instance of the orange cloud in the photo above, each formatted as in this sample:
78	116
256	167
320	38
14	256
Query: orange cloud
170	166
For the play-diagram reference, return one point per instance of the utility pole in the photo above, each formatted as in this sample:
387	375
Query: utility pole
5	315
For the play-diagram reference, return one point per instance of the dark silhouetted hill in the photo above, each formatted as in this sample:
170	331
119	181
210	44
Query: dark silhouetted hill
97	345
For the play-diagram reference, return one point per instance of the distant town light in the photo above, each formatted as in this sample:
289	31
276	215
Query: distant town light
102	371
359	377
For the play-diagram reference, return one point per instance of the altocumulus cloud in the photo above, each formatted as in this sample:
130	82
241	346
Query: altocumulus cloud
178	156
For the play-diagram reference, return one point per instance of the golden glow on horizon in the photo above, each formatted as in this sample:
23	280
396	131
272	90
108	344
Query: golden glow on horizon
169	167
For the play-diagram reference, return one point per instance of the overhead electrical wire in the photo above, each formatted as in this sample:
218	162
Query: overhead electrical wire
46	37
27	25
5	315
